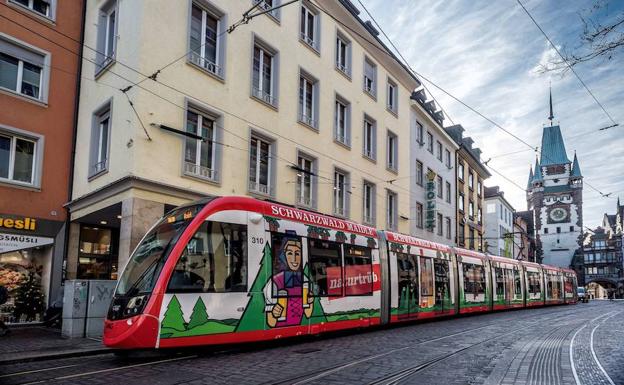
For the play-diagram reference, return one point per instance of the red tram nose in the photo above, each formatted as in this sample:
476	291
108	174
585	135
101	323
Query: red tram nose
136	332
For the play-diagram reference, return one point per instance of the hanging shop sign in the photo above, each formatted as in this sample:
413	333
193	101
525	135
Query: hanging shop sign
12	242
430	203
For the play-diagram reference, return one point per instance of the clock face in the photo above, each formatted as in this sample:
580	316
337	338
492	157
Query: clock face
558	214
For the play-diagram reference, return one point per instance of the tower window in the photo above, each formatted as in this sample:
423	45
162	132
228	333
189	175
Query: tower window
571	229
558	230
545	230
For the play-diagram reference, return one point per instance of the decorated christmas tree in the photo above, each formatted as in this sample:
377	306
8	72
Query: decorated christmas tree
29	303
199	315
254	317
174	317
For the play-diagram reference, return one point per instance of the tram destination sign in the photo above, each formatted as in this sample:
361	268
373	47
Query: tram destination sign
430	202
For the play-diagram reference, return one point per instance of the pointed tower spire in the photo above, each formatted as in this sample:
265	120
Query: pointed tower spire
576	169
537	175
530	177
551	116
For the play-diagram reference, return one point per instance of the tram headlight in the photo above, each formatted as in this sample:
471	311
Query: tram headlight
135	305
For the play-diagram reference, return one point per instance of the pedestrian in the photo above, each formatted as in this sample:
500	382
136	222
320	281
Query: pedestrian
4	296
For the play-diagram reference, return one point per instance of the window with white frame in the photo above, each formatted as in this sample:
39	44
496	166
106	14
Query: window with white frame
392	91
340	193
309	26
471	209
199	154
447	226
343	54
448	192
368	196
479	214
392	211
342	130
419	173
107	35
392	152
370	77
264	74
269	5
460	171
420	133
308	100
419	215
260	166
41	7
439	150
470	180
17	158
447	154
440	186
460	202
479	186
370	136
100	141
206	39
305	187
430	142
22	70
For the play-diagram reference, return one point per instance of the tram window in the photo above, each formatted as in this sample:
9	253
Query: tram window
214	261
407	269
517	284
500	282
325	260
426	277
288	265
358	270
474	279
534	282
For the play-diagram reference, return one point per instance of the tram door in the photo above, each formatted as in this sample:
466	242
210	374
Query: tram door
442	285
407	267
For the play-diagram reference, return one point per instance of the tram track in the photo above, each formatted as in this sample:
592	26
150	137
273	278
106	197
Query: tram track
326	371
94	365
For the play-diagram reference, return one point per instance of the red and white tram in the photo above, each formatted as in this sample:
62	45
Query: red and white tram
235	269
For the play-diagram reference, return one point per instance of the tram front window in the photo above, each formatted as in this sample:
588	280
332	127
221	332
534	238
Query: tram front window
140	275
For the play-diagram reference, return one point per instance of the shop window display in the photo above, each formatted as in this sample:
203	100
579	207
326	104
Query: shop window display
97	257
21	273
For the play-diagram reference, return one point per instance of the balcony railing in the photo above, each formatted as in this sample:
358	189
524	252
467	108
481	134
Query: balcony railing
207	64
264	96
99	167
308	40
265	7
307	120
260	188
199	171
342	138
613	276
342	68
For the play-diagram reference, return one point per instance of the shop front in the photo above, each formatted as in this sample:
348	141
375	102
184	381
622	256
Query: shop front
31	254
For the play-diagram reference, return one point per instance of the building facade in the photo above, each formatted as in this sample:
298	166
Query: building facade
555	195
471	173
602	261
297	106
432	179
499	223
524	238
39	50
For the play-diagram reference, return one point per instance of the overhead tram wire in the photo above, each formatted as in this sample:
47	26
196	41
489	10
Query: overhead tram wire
241	118
566	62
404	59
315	2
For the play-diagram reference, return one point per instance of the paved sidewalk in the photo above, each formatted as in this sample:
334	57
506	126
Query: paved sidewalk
33	343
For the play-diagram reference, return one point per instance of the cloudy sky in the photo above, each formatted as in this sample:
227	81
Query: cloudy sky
486	53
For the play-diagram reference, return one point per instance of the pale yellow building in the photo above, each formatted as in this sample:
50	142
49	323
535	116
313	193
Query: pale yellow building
295	106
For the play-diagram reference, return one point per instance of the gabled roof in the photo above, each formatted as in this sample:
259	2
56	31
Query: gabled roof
553	148
576	169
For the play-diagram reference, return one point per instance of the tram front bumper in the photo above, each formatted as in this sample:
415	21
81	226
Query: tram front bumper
138	332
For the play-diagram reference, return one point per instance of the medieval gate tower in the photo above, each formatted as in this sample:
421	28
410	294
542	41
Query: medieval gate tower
555	195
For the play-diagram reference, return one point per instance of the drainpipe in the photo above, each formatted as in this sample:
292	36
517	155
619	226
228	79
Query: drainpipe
70	186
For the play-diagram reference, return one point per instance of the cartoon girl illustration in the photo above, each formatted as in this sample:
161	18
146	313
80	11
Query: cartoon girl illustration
286	294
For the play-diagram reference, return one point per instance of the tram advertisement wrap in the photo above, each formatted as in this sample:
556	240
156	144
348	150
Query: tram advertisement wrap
358	280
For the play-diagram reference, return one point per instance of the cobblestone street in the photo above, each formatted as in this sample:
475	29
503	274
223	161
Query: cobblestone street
518	347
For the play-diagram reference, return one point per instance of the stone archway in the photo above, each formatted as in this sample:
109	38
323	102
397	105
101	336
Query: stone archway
605	288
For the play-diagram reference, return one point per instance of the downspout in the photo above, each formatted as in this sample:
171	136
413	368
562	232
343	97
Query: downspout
70	187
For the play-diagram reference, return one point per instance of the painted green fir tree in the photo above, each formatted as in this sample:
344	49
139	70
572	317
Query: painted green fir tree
318	314
199	315
254	317
174	317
